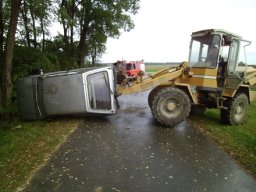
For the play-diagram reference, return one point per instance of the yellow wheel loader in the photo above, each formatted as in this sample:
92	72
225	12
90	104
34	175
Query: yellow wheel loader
215	76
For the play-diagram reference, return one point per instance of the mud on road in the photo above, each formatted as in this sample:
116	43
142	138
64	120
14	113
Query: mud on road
131	152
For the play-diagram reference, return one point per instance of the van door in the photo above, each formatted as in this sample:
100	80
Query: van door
99	88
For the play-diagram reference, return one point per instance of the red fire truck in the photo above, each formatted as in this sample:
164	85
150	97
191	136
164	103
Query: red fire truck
132	68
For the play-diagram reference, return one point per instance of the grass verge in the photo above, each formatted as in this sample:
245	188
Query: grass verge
239	141
24	146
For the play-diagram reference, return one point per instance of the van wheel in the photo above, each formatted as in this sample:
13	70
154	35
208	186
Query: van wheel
236	110
170	106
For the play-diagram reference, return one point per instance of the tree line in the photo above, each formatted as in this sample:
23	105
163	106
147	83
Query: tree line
27	44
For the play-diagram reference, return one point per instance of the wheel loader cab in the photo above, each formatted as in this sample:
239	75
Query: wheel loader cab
217	60
216	78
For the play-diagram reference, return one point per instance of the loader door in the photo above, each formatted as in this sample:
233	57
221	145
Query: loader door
236	69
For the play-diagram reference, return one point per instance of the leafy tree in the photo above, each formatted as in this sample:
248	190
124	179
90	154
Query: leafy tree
29	61
106	17
96	45
95	21
40	13
36	17
68	18
25	17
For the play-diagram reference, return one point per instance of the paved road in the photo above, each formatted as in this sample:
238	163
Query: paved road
130	152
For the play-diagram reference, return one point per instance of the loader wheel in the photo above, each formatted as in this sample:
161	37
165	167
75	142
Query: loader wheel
236	110
151	96
170	106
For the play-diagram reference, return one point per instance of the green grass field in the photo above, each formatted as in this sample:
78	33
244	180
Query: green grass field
154	67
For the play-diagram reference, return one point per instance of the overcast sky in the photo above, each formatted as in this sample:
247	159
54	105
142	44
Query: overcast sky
163	28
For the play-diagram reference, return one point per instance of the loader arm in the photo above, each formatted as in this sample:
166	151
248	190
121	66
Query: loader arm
166	76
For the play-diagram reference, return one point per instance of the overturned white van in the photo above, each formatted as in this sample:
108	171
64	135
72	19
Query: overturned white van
75	92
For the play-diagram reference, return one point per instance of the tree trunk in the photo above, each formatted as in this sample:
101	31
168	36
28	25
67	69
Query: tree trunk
73	11
82	48
1	33
65	27
33	24
43	31
65	36
24	12
82	54
7	64
1	43
93	60
94	56
72	39
82	42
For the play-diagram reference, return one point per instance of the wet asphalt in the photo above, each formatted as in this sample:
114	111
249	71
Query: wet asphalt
130	152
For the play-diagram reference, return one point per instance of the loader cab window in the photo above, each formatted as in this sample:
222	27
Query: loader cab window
241	61
225	52
237	61
204	51
198	52
233	57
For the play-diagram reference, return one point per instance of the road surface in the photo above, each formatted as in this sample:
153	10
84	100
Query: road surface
130	152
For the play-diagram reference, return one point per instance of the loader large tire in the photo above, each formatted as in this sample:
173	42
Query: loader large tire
236	110
151	95
170	106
